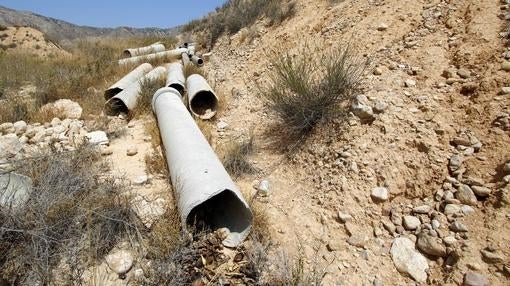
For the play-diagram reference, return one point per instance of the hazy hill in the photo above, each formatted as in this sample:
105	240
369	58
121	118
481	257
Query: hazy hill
58	29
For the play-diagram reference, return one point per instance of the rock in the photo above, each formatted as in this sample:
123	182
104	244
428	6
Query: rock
466	195
379	194
431	245
377	71
221	125
481	191
468	88
97	138
344	217
55	122
435	224
382	27
131	124
140	180
65	108
457	226
263	188
15	190
463	73
449	240
149	211
505	90
120	261
334	245
20	127
380	106
467	209
506	168
424	209
132	150
409	83
505	66
408	260
9	146
106	151
362	109
455	162
411	222
491	257
475	279
357	240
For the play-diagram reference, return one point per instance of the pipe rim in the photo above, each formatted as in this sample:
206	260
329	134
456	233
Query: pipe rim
162	91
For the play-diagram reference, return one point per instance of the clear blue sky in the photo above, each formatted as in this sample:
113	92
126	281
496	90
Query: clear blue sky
114	13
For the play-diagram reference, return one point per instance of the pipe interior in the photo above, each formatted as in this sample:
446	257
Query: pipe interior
224	210
203	101
109	93
200	61
115	106
178	87
127	54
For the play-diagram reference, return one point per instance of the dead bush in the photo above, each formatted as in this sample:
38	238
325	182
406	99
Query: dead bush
72	209
310	87
235	157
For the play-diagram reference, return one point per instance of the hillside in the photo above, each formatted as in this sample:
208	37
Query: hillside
60	30
406	183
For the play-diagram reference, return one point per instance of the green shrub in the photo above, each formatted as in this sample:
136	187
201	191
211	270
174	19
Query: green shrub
310	87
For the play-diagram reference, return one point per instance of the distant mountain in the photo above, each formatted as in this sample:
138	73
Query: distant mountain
62	30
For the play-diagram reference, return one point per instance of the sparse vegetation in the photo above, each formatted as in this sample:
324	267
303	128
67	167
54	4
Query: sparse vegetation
73	213
3	28
147	91
310	87
237	14
235	157
193	69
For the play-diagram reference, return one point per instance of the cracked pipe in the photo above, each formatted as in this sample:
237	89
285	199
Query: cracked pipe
207	196
127	80
127	99
203	102
154	48
172	54
175	77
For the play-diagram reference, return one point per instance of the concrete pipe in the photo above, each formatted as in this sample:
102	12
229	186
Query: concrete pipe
172	54
207	197
127	80
185	59
154	48
127	99
202	100
198	61
175	77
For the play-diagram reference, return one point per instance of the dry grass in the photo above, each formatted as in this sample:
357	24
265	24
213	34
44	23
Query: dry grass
237	14
311	87
73	213
206	128
147	91
193	69
235	157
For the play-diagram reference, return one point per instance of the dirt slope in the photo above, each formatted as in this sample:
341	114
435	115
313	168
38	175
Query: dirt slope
28	40
408	147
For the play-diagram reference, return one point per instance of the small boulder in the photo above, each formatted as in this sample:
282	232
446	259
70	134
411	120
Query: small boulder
472	278
9	146
411	222
431	245
132	151
65	108
120	261
466	195
263	188
408	260
97	138
481	191
20	127
379	194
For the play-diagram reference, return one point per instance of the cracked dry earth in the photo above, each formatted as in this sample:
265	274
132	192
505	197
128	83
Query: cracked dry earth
425	180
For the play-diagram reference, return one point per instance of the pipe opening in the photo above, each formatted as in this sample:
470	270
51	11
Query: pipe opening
200	62
109	93
223	210
126	53
204	102
115	106
178	87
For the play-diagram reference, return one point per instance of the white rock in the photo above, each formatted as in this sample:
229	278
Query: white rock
149	211
409	83
15	190
9	146
97	138
140	180
408	260
68	108
451	209
55	122
411	222
7	128
467	209
120	261
132	150
382	27
20	127
263	188
221	125
379	194
424	209
344	217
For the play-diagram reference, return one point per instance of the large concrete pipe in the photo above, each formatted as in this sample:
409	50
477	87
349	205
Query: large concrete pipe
207	197
127	99
154	48
203	102
127	80
175	77
172	54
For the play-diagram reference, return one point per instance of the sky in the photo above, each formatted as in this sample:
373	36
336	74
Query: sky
114	13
